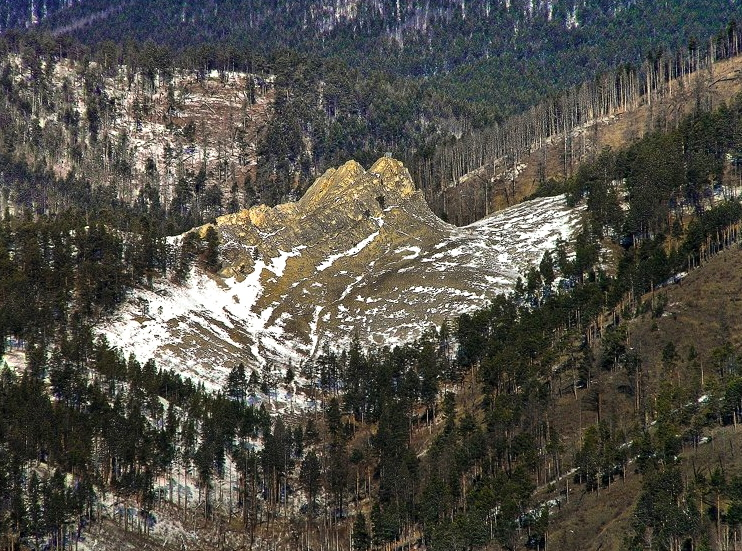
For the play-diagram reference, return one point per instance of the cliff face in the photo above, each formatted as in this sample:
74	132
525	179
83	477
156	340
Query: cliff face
130	132
361	251
344	206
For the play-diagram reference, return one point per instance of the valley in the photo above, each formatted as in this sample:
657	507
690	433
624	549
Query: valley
370	275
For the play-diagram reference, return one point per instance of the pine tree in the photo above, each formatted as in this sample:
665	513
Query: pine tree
361	537
237	384
35	512
309	477
211	254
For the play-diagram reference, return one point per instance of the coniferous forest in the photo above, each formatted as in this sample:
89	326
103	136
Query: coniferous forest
482	434
119	426
360	87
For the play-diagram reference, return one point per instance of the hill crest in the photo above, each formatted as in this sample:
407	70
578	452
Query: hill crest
339	260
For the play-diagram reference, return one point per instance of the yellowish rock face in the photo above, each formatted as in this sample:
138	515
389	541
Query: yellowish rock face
361	251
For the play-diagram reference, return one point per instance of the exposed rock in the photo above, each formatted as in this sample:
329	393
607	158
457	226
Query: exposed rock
343	204
361	251
151	131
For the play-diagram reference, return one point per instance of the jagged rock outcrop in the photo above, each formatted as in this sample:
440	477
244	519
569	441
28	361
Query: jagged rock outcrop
361	251
342	205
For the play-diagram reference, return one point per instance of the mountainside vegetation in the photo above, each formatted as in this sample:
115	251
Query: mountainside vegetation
596	406
464	439
385	76
560	41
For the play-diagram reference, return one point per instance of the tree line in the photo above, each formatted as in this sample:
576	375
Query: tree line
443	124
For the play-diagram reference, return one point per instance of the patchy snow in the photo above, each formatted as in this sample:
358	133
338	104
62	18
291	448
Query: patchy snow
278	265
314	334
220	310
415	252
176	124
350	252
350	287
419	272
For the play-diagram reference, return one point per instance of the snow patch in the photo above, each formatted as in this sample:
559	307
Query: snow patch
350	252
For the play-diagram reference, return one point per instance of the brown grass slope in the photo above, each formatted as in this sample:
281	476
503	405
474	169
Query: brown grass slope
704	312
662	111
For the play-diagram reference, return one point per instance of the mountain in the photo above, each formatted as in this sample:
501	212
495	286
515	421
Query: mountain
375	77
546	158
575	410
359	252
479	44
572	413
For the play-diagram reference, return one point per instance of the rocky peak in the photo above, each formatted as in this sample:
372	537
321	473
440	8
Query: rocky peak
361	251
344	204
394	175
333	182
349	191
352	186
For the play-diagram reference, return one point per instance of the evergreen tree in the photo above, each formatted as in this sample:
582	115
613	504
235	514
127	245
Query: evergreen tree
211	253
361	537
309	477
237	383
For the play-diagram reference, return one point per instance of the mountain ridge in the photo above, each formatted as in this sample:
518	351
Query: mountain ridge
346	199
375	261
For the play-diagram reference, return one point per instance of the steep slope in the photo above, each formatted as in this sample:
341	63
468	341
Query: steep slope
498	183
700	319
189	138
554	42
361	251
419	85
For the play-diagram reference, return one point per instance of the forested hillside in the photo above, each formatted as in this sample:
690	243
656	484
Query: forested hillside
16	14
433	83
290	117
559	41
594	406
463	439
90	134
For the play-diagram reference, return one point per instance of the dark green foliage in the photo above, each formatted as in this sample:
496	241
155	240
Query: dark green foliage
361	537
544	50
386	78
188	250
475	483
661	172
310	478
385	522
661	513
118	408
210	256
237	383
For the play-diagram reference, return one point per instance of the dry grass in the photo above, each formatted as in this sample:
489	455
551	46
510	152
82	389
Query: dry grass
722	84
602	521
704	312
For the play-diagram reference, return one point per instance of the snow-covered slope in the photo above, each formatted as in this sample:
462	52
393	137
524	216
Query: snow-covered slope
361	251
